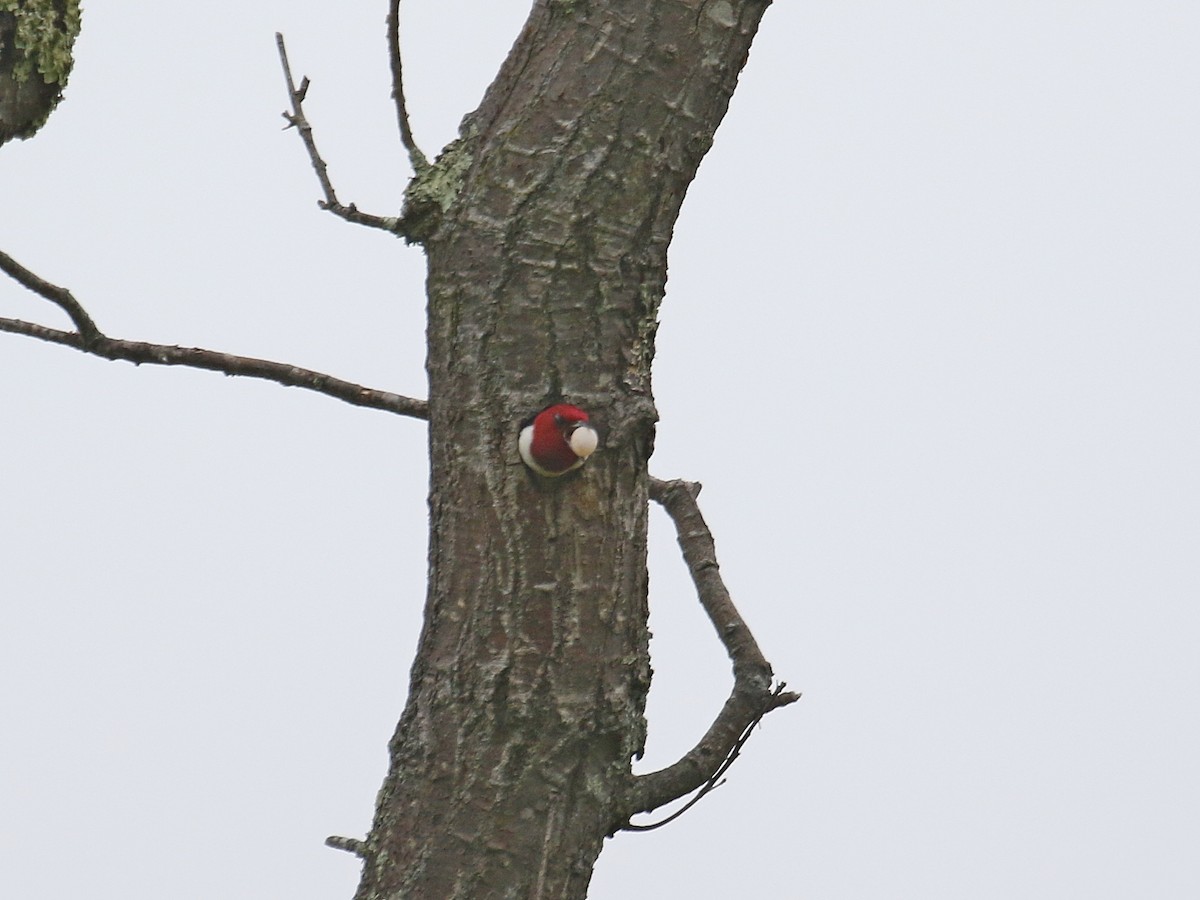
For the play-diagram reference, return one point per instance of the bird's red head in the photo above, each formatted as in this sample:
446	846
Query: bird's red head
558	440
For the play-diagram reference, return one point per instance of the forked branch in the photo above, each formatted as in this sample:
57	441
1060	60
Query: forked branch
61	297
296	119
90	339
753	695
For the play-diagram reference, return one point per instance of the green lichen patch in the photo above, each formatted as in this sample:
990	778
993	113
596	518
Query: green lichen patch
44	34
36	40
430	194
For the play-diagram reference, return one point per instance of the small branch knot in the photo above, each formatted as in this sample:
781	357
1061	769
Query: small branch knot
350	845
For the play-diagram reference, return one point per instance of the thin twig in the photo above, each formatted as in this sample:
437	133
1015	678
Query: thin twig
296	119
415	156
90	339
752	696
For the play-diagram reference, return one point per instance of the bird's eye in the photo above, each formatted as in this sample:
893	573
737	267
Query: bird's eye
559	420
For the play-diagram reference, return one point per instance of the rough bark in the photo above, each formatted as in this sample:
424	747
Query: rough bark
36	40
547	241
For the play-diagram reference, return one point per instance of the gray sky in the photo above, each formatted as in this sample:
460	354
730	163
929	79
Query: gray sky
931	342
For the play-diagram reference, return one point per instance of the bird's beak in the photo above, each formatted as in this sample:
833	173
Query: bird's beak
583	440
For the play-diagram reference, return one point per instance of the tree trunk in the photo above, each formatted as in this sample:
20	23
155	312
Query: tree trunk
546	227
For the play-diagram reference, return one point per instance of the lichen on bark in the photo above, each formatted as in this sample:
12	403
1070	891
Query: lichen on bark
37	38
433	190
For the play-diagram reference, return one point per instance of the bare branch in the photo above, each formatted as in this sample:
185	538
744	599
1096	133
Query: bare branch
90	339
714	781
61	296
415	156
296	119
752	696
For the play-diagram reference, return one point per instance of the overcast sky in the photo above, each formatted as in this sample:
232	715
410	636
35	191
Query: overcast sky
941	263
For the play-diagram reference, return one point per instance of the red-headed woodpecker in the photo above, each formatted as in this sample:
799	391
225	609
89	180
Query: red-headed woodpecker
557	440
